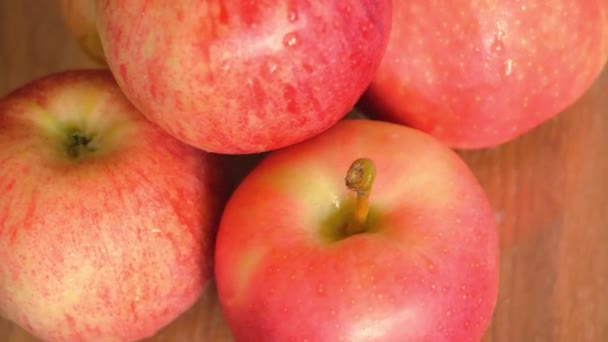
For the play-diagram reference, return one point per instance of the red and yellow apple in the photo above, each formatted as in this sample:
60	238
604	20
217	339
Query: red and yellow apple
244	76
479	73
107	223
299	256
79	17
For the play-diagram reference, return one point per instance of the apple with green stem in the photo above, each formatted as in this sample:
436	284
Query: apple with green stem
300	255
476	74
107	223
239	77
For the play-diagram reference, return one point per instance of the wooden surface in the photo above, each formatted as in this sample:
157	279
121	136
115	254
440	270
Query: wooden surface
549	189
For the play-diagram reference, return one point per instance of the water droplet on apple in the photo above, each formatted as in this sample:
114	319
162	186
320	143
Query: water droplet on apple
508	67
137	299
292	16
497	47
272	67
291	39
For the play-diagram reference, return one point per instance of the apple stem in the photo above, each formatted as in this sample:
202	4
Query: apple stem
360	178
78	144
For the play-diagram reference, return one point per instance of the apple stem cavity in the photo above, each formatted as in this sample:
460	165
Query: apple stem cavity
360	178
78	145
82	138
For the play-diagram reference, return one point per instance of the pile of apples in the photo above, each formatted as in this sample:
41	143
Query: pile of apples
118	208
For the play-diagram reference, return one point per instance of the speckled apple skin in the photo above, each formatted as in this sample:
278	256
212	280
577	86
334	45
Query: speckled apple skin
105	249
428	273
477	74
234	76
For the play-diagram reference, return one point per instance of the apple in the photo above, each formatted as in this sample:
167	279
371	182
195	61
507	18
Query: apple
301	257
107	223
476	74
238	77
79	18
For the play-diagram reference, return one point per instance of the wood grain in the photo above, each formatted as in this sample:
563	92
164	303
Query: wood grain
549	189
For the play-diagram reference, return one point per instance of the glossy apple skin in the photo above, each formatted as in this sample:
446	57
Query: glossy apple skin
479	73
244	76
104	249
79	17
428	272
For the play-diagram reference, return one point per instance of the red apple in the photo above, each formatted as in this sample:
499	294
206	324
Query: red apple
300	257
79	17
106	222
479	73
244	76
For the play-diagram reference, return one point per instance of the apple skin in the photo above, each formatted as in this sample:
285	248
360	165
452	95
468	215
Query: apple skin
239	77
477	74
79	18
111	247
427	272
